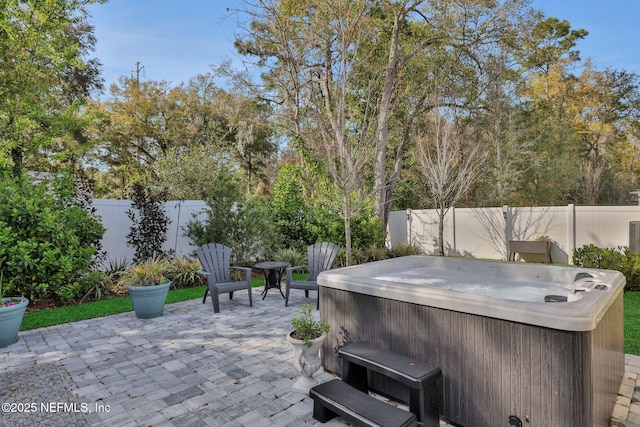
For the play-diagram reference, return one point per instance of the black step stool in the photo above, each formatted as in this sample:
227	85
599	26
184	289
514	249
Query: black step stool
335	397
359	358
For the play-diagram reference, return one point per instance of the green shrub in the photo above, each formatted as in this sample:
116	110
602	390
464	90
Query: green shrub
363	255
110	276
305	327
404	249
244	224
377	253
303	221
148	232
95	285
620	259
47	241
326	225
289	209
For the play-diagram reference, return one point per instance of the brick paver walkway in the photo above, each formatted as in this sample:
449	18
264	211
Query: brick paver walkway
190	367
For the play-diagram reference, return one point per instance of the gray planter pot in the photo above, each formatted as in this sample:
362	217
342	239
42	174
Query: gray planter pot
148	301
10	320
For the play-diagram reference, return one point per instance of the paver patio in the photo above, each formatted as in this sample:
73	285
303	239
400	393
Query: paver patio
190	367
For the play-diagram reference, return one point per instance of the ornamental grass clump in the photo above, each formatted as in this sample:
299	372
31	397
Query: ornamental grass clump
147	273
305	327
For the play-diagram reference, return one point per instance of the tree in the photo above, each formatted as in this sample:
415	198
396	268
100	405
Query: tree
607	104
551	41
141	123
253	143
583	122
145	122
234	120
291	214
339	73
313	80
44	80
194	174
448	169
500	128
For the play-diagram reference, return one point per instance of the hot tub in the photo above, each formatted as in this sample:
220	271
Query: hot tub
540	343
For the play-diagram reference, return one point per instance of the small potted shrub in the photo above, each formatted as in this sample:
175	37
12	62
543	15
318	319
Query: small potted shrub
148	287
11	313
307	338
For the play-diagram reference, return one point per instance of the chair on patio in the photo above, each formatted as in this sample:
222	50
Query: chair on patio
321	257
215	259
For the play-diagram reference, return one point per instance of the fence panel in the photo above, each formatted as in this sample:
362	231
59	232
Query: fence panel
604	226
479	233
484	232
117	224
472	232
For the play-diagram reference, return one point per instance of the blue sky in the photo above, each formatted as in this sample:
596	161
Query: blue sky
175	40
613	26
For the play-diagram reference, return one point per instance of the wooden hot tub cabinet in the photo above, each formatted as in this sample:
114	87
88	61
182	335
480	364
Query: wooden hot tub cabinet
491	368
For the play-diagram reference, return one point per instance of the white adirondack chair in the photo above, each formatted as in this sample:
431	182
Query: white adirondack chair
321	257
215	259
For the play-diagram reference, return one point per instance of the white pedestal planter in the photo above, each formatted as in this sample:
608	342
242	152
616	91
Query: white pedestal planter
307	362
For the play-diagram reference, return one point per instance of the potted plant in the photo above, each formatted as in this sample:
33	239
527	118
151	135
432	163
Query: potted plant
148	287
11	313
307	338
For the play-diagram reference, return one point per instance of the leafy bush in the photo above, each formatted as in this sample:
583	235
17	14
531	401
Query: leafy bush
326	225
150	222
303	221
404	249
47	240
182	272
620	259
244	224
289	209
376	253
361	255
150	272
111	273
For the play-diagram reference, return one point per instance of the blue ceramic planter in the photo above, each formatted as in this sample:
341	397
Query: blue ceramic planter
148	301
10	320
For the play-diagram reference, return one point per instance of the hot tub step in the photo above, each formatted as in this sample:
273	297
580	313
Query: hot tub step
335	397
360	360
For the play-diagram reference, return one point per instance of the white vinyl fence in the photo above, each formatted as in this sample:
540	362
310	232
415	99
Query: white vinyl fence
117	224
472	232
484	232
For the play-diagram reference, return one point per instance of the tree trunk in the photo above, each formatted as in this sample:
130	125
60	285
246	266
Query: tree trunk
347	230
16	156
441	213
383	188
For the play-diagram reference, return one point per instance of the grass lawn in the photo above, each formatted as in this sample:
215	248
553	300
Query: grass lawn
89	310
632	323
